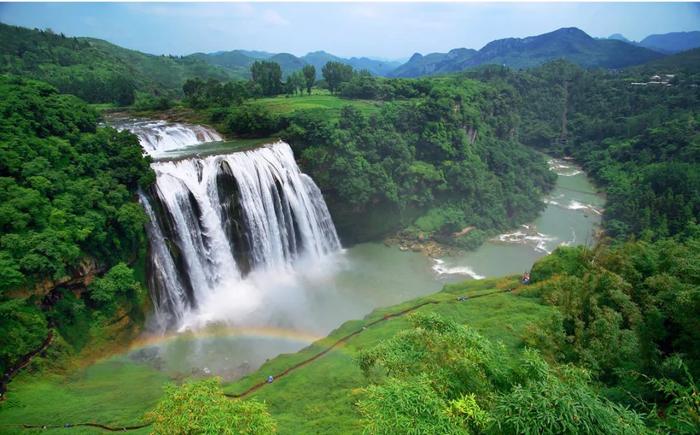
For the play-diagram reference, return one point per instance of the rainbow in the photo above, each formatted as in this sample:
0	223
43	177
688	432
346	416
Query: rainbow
221	331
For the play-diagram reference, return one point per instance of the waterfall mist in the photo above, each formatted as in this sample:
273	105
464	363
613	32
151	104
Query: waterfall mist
237	238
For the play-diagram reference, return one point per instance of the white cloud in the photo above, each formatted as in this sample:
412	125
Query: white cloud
273	17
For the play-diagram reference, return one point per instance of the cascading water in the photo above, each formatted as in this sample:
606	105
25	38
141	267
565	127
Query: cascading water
159	137
217	219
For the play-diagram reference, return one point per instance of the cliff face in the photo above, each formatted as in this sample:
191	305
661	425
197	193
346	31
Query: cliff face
81	277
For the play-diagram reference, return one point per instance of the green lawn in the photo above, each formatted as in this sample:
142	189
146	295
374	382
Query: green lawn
285	105
316	398
112	392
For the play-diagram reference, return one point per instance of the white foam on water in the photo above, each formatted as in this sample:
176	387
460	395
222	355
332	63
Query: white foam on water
563	169
441	269
161	137
575	205
539	242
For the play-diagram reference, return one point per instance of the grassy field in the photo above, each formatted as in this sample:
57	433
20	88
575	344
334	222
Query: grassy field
316	398
112	392
284	105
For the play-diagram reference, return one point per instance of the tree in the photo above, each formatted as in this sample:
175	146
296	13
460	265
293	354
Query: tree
336	73
268	75
295	83
309	72
118	283
201	407
123	90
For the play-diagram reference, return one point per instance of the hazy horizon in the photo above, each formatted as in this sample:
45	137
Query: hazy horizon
382	30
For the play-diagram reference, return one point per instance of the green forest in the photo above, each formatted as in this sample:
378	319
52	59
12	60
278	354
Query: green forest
602	339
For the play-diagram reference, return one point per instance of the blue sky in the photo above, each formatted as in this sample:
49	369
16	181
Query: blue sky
385	30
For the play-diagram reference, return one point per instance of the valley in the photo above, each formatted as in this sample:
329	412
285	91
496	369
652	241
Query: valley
474	241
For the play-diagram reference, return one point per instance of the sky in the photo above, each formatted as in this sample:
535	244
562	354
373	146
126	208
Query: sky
379	30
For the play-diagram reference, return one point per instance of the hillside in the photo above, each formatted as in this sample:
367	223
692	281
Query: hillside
571	44
317	398
434	63
239	61
96	70
486	356
673	42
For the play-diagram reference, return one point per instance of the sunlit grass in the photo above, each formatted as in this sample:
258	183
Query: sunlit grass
284	105
316	398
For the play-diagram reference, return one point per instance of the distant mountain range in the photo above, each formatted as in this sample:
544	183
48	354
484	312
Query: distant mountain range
668	43
84	65
241	60
569	43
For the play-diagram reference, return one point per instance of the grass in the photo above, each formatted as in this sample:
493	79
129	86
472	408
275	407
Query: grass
284	105
112	392
320	397
316	398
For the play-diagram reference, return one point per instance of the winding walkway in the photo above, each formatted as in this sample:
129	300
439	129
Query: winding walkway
287	371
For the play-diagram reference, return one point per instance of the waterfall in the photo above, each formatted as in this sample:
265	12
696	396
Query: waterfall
217	219
159	137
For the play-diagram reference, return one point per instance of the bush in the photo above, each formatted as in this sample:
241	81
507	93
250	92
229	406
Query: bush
201	407
252	120
548	404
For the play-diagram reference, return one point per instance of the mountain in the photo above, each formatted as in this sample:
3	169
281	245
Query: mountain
620	37
569	43
288	62
674	42
320	58
686	63
376	67
434	63
97	70
239	61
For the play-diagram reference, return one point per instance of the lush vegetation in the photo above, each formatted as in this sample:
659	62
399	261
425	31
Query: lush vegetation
641	299
435	156
201	407
640	142
604	340
68	208
97	71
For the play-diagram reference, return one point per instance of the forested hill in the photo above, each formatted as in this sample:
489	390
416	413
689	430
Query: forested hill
67	198
239	61
673	42
571	44
637	132
96	70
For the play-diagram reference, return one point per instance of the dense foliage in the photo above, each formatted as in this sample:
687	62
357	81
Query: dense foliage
443	377
95	70
66	203
640	142
629	314
201	407
442	160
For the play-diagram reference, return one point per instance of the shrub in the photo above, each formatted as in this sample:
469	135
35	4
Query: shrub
201	407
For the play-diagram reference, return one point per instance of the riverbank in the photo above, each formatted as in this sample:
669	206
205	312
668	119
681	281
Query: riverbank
572	216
